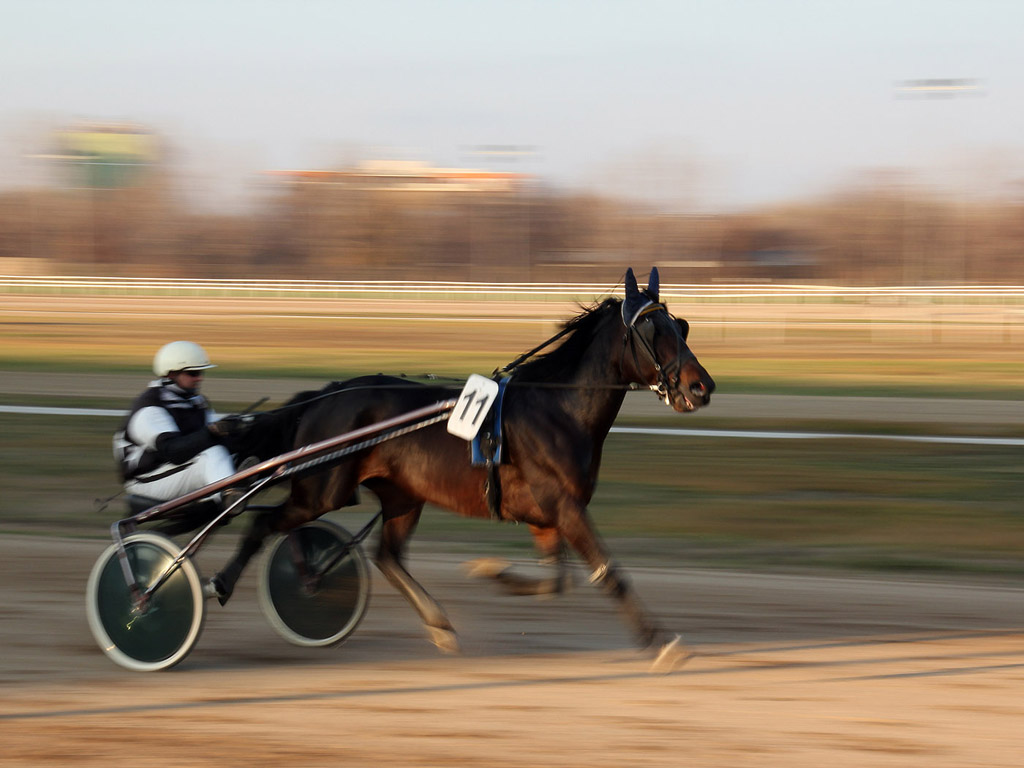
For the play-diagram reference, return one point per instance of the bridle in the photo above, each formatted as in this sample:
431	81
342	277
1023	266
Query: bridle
637	331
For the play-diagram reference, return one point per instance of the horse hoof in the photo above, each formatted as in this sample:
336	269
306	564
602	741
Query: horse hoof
445	639
485	567
671	657
215	588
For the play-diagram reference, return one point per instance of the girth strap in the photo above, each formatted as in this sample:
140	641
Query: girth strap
492	490
485	450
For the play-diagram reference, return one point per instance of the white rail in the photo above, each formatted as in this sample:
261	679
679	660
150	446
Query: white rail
746	434
538	291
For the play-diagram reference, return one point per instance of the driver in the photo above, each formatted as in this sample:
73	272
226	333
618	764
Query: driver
172	442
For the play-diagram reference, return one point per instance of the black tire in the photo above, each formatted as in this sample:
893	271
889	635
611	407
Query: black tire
328	612
166	631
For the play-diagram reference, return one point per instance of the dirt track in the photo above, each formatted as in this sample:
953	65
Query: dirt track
790	671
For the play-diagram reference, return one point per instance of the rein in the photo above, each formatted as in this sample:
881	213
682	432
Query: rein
527	355
505	370
415	385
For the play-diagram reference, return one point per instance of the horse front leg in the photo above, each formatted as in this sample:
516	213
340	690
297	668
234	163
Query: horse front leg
578	530
581	535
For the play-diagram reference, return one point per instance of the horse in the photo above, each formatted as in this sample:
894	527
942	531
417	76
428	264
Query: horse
557	411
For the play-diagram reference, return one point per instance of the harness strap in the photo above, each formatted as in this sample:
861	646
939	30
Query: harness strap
652	307
161	475
492	490
485	449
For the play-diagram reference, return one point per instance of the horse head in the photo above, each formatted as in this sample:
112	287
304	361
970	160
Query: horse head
660	356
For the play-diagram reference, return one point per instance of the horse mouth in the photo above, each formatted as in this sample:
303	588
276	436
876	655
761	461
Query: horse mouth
679	401
686	399
683	405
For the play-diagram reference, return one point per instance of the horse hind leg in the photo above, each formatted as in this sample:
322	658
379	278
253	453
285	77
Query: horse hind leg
401	514
552	551
310	497
222	584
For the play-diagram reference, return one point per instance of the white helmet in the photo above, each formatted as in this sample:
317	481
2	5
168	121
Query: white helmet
180	356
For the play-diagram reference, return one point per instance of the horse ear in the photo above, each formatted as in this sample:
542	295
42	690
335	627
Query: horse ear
634	301
631	286
652	284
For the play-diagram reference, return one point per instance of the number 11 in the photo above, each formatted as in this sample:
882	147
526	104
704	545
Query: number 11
481	402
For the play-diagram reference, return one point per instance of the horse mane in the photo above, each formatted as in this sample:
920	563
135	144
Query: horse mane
564	360
276	429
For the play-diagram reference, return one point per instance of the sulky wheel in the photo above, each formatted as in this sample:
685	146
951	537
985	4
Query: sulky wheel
163	632
314	584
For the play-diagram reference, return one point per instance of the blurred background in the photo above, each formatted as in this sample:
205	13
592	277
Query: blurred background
845	143
833	193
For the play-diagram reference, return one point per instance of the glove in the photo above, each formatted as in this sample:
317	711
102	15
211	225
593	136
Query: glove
231	427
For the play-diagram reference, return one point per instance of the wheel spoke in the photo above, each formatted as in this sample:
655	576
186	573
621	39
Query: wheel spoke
314	585
153	633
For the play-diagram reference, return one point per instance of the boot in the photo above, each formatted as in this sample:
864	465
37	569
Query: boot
230	498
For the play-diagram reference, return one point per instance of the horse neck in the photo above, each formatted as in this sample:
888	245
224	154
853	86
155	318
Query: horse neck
599	384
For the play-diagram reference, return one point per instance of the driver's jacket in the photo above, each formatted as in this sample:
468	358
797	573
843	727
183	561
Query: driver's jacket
165	425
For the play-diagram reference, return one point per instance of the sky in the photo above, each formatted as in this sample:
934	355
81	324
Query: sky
708	105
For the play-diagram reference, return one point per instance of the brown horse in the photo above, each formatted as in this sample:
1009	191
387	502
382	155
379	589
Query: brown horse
557	411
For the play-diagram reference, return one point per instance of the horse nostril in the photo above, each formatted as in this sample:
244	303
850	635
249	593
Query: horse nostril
702	391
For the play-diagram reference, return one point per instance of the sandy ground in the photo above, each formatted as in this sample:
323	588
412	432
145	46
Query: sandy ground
789	671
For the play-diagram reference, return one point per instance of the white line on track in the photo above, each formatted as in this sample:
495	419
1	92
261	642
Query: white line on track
766	435
32	410
653	431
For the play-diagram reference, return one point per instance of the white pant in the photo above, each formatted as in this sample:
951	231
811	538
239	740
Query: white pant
211	465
